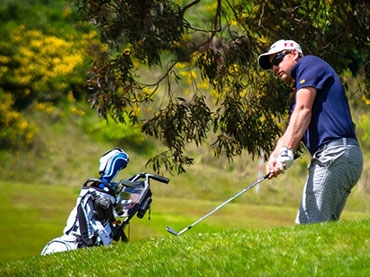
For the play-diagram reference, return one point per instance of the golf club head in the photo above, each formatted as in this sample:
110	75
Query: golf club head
171	231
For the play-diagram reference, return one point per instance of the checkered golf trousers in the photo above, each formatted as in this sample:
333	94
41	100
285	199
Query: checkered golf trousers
333	172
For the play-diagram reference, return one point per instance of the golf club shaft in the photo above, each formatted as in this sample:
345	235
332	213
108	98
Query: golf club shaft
219	207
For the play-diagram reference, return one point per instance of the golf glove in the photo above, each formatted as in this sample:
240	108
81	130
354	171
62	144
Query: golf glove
285	159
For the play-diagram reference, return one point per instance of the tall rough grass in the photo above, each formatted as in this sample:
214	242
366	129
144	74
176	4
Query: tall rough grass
338	249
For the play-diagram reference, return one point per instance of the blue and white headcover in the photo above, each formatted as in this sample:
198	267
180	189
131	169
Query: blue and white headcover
111	163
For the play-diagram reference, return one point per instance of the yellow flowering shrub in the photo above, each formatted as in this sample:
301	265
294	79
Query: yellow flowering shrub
39	70
45	107
45	62
16	131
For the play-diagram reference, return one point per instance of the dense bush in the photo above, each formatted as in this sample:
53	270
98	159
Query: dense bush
40	67
15	128
43	62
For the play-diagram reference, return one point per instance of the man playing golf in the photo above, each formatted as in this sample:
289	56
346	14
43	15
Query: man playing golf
320	117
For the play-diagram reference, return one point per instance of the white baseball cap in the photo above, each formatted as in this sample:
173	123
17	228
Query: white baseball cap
280	45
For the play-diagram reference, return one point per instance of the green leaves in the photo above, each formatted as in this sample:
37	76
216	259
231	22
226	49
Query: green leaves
150	27
179	123
220	42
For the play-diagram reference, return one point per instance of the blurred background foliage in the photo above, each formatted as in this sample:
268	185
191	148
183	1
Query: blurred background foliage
182	72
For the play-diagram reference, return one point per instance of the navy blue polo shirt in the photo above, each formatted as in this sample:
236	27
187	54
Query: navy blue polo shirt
331	117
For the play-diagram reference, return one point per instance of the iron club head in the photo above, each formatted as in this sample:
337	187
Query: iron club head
172	231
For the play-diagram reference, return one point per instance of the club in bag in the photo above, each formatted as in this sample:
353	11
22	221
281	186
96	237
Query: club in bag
173	232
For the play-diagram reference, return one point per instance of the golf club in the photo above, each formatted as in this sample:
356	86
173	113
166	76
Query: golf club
173	232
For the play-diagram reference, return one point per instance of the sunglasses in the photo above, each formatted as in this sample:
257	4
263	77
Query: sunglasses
279	57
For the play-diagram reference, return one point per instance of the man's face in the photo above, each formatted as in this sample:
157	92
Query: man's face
282	64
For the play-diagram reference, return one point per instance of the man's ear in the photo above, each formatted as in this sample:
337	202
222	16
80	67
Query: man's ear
296	54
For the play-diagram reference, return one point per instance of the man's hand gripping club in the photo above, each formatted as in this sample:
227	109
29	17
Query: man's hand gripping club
283	161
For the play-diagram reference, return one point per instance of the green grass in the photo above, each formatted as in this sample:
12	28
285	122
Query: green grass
31	215
339	249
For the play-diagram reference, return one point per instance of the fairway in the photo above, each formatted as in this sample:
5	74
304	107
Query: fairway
34	214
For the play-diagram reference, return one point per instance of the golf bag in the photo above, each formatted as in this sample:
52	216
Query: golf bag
134	198
102	205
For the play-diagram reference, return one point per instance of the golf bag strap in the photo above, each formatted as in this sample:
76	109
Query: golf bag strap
84	224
